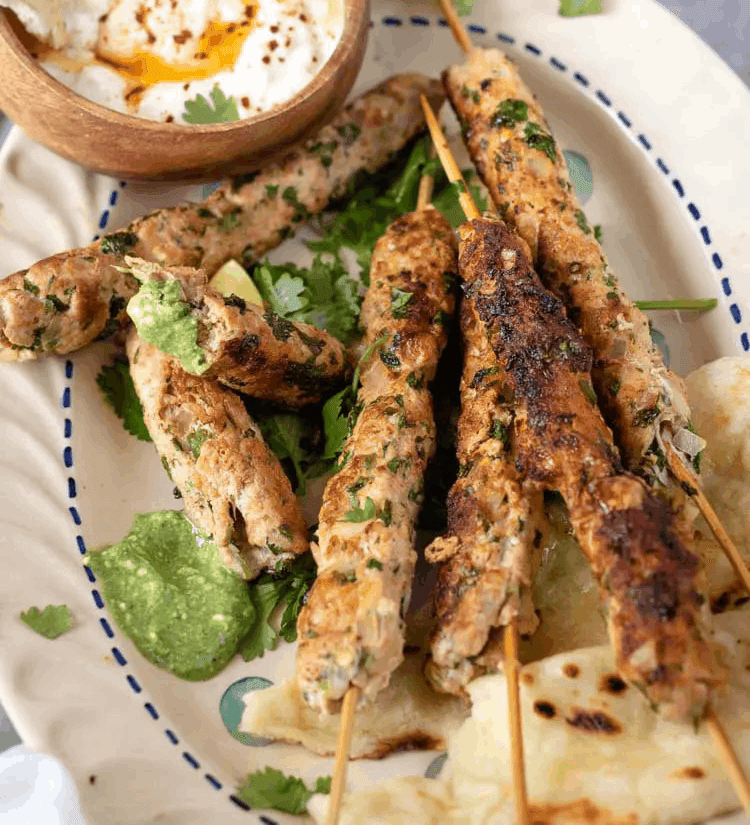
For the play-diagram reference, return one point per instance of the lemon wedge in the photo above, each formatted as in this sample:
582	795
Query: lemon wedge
232	279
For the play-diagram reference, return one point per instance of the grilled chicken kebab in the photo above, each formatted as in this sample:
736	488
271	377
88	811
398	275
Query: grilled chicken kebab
351	630
525	172
64	302
656	611
244	346
496	524
232	485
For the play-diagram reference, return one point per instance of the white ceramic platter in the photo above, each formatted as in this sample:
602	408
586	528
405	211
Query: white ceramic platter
663	124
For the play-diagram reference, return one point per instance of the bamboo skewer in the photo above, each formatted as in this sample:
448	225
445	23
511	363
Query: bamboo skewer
675	463
510	631
342	754
691	485
512	668
456	26
351	698
448	161
728	756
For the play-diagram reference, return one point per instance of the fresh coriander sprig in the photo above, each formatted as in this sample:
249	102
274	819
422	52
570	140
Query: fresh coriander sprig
115	382
686	305
200	111
576	8
271	592
337	411
51	622
273	789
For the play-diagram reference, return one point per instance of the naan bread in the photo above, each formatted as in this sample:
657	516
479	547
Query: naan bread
565	594
719	395
407	715
595	752
407	800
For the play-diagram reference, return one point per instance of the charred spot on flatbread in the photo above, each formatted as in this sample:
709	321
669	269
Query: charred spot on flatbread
594	721
571	670
613	683
720	604
690	772
412	741
527	678
546	709
582	811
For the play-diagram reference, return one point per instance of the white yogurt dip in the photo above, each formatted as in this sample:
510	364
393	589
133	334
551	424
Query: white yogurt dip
147	57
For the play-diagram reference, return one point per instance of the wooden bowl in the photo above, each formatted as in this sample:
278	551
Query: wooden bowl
131	148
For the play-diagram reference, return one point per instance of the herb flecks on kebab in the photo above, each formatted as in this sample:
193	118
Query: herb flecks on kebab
351	631
656	610
525	172
68	300
242	345
232	485
496	525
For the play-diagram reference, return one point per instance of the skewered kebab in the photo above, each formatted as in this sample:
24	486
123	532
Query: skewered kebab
351	631
64	302
232	485
242	345
517	158
626	532
678	468
495	524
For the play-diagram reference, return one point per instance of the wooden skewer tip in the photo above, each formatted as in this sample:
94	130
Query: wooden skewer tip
448	161
456	26
343	747
512	668
729	758
687	477
426	187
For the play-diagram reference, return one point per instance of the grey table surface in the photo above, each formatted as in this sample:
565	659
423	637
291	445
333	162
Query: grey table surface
723	24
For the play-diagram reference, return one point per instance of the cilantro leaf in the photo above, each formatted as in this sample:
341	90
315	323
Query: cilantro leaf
195	441
324	295
273	789
270	592
200	111
340	411
336	421
51	622
294	440
447	199
381	199
117	385
582	222
289	291
537	138
359	514
575	8
399	300
323	784
370	209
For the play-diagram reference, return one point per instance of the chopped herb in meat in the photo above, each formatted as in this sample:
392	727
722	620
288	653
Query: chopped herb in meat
119	243
509	113
537	138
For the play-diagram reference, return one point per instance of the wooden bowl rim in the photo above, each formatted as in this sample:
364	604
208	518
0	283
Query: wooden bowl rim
355	12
